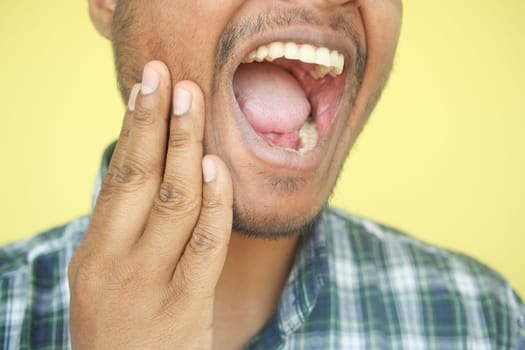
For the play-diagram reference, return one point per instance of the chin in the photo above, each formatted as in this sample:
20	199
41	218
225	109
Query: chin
272	205
266	223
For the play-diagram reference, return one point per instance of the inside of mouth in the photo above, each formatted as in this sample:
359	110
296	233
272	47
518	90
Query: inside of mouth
285	105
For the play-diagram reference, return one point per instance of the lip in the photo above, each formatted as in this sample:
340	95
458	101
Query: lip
276	157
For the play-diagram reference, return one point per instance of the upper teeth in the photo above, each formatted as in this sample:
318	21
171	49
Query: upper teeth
327	61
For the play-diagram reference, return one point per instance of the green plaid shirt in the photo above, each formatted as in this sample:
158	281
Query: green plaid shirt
355	284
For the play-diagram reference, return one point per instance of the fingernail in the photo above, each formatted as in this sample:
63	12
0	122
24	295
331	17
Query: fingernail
110	4
209	171
133	97
150	80
181	101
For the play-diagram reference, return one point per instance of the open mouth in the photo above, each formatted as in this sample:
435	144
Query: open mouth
290	93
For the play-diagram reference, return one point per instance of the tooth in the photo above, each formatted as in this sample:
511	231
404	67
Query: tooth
320	71
262	52
307	54
322	56
325	71
334	59
315	73
309	136
275	50
291	51
340	65
250	57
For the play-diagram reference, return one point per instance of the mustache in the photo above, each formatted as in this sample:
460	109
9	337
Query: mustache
274	19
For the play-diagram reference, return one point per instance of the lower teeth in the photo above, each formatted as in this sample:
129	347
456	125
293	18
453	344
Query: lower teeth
309	136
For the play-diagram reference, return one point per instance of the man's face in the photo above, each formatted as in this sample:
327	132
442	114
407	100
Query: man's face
288	87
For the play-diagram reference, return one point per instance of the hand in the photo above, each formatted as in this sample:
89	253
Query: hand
144	275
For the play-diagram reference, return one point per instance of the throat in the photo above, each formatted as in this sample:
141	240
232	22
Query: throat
249	288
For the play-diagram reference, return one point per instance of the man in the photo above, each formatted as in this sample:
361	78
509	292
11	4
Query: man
210	228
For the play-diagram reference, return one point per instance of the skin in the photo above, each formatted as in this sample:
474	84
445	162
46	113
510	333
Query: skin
167	261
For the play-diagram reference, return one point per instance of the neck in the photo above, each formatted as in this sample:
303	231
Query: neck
251	283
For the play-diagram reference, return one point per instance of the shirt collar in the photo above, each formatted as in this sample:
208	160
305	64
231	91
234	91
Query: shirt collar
307	277
309	274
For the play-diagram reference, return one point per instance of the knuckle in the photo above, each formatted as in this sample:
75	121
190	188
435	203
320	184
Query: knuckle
180	138
124	132
108	178
129	174
175	198
94	276
126	178
134	172
143	116
85	276
212	203
169	193
204	240
106	191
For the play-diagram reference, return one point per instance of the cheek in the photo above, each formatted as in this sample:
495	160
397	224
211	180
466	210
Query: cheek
382	21
185	34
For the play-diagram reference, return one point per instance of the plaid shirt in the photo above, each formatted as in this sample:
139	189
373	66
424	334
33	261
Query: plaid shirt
354	285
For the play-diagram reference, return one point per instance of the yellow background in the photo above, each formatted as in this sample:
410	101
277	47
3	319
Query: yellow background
442	158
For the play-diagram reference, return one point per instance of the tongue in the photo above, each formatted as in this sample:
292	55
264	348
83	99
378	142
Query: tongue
271	98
